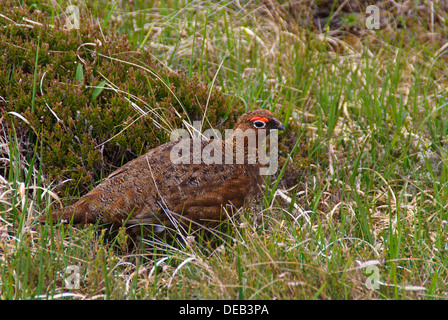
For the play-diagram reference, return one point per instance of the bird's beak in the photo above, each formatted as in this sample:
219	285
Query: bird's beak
280	125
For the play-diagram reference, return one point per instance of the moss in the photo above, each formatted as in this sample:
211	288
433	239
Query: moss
75	147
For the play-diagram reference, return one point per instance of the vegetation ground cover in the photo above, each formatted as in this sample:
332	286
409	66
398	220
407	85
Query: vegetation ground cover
358	210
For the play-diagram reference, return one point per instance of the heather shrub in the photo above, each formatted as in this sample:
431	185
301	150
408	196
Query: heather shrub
92	101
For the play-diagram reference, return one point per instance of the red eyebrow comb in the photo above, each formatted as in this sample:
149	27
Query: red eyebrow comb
260	119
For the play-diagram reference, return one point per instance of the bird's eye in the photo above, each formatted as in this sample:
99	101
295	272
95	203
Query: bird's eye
259	124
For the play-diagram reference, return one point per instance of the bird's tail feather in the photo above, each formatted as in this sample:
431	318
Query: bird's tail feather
68	214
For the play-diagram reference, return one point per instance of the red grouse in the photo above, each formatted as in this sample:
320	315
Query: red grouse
155	190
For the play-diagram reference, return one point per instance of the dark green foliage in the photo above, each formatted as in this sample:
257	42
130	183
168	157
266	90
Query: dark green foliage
75	147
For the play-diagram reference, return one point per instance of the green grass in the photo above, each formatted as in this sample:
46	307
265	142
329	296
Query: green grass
368	180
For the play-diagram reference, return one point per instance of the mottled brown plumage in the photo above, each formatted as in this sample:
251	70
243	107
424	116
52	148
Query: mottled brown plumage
153	190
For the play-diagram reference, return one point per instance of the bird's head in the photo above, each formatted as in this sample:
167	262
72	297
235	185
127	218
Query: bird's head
259	119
